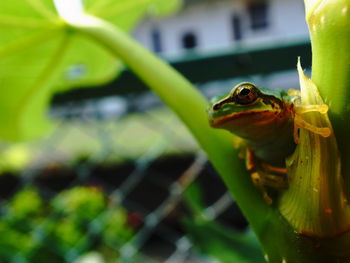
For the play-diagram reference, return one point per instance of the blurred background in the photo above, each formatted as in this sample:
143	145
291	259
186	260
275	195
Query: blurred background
119	178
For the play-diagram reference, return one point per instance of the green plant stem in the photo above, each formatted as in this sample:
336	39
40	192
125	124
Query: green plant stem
329	26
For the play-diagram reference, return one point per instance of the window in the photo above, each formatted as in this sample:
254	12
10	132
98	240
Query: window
236	27
189	40
156	40
258	13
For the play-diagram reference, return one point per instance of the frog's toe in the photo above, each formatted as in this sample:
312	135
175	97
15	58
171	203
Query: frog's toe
299	122
262	180
259	183
300	109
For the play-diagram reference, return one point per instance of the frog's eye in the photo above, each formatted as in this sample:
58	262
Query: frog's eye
245	93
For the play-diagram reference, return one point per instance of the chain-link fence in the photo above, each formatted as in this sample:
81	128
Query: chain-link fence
110	183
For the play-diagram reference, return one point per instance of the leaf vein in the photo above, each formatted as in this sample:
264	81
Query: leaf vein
43	77
27	42
41	9
8	20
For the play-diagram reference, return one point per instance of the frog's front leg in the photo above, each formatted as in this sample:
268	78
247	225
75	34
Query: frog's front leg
263	175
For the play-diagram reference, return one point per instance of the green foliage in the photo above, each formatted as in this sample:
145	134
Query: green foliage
81	203
38	229
26	203
193	197
68	233
14	158
222	243
40	55
51	59
14	241
216	240
113	227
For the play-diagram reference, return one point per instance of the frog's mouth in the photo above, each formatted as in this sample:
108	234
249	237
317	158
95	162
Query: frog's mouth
260	115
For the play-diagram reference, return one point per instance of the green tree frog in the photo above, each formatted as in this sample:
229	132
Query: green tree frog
268	123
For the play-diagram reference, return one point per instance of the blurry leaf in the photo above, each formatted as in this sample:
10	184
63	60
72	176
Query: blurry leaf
13	241
14	158
26	203
115	230
41	255
40	54
222	243
81	203
67	234
193	198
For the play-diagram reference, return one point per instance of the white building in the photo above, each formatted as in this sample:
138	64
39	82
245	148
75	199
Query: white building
220	24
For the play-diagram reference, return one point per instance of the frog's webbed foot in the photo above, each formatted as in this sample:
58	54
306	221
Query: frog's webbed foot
263	175
299	121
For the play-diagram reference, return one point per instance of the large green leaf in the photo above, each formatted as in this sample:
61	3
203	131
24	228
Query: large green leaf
40	54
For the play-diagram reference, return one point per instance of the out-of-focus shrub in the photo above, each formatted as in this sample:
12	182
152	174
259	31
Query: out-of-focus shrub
61	229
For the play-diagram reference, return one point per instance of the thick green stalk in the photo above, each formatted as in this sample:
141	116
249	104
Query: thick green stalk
315	203
329	26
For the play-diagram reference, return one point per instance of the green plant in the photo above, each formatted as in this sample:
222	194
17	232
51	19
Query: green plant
214	239
279	236
61	229
40	55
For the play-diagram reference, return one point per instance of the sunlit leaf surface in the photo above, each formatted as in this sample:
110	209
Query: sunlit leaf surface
39	55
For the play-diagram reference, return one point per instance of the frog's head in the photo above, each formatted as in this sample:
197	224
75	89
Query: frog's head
245	110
